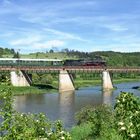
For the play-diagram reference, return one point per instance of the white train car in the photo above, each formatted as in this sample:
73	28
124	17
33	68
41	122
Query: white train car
30	62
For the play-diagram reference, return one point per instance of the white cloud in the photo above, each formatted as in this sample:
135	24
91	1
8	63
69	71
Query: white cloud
116	27
128	47
26	41
77	23
36	41
65	35
49	44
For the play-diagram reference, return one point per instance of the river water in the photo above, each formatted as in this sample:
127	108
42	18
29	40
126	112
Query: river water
63	106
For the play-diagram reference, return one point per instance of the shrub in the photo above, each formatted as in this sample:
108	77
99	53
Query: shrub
27	126
127	115
100	117
81	132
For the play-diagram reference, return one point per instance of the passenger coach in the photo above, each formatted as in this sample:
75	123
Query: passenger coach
30	62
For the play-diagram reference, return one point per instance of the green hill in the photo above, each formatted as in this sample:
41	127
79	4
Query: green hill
112	58
117	59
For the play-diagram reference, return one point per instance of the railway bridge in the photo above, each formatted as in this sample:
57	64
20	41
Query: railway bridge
19	72
20	76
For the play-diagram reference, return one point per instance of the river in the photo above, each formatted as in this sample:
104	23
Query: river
64	106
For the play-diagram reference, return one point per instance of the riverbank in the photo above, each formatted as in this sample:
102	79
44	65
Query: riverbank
87	83
36	89
41	89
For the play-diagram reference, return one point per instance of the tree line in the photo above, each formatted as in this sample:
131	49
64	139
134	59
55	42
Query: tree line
6	51
118	59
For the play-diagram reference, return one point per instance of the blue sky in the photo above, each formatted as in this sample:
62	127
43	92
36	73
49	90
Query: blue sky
84	25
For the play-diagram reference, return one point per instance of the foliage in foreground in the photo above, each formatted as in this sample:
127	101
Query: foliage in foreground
93	123
101	122
22	126
127	116
104	123
81	132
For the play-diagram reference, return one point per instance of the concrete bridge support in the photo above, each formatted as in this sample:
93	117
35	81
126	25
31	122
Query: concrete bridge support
20	78
65	81
107	83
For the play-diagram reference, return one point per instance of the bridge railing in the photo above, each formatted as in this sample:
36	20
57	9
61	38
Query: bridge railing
69	68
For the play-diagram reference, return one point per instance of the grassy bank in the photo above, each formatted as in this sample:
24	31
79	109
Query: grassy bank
116	81
86	83
41	89
36	89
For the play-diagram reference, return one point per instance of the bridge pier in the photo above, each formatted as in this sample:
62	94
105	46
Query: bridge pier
20	78
65	81
107	83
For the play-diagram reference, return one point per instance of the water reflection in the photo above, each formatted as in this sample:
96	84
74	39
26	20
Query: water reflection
66	107
25	102
107	97
20	103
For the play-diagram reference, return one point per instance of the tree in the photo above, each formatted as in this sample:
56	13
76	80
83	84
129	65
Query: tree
51	51
16	55
12	51
1	52
36	55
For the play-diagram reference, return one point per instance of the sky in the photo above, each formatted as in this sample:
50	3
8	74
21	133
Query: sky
85	25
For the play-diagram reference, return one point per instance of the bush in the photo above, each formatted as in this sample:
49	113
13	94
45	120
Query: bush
22	126
100	117
127	115
81	132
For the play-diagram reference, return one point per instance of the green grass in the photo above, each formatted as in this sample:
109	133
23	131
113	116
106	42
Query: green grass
81	132
86	83
7	56
126	80
47	56
55	55
40	89
29	90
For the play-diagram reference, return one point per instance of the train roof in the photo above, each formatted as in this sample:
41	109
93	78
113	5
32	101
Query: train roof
29	59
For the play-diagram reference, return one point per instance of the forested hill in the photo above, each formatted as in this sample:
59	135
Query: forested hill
112	58
119	59
6	51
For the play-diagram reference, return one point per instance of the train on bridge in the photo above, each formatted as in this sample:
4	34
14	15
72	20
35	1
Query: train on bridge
50	62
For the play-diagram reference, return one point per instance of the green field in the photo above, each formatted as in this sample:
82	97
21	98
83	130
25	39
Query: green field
48	55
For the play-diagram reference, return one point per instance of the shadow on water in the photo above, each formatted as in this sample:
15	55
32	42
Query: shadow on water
40	86
136	87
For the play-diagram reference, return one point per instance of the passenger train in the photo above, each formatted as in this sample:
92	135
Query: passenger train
29	62
51	62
